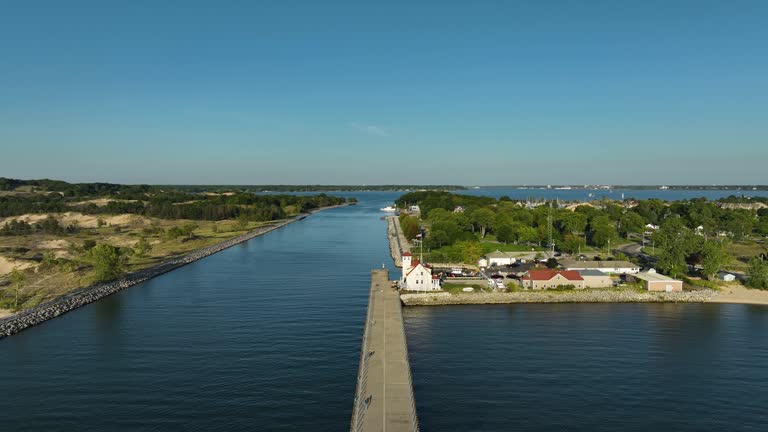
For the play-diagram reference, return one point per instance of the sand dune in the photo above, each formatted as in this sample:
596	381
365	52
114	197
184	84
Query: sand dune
8	264
84	221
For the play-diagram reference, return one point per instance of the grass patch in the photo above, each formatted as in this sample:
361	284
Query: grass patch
457	288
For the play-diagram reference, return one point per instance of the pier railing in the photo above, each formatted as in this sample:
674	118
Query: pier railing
412	400
362	401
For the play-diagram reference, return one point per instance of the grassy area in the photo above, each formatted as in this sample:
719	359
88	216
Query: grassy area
457	288
740	252
58	264
492	246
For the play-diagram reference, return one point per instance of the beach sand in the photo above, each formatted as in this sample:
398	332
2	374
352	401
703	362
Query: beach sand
736	293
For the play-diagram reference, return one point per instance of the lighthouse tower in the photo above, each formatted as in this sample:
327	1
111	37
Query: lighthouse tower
406	264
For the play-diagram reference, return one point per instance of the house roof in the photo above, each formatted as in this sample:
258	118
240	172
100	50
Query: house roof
406	253
415	264
654	277
591	273
569	264
499	254
547	274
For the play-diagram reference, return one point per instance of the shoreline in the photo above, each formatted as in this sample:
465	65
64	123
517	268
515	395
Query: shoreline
542	296
739	294
33	316
733	294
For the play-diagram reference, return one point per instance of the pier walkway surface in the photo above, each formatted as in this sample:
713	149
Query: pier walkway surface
384	395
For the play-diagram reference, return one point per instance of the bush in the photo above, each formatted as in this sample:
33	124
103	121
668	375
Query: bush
108	262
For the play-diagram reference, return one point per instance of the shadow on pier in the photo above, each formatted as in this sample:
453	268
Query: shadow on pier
384	395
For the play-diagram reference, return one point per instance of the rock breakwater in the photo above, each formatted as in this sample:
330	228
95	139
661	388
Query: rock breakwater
575	296
45	311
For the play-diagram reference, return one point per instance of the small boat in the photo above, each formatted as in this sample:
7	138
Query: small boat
468	289
388	209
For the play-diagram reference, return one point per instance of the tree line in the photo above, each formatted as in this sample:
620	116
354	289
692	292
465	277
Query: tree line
688	233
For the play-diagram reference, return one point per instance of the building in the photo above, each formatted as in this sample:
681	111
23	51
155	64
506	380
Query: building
657	282
727	277
608	267
546	278
596	279
458	209
498	258
417	276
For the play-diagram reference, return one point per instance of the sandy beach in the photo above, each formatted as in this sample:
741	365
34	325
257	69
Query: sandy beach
735	293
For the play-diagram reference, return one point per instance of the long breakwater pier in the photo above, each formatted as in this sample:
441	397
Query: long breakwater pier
384	394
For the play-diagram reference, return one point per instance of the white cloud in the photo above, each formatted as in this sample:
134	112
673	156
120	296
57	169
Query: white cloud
370	129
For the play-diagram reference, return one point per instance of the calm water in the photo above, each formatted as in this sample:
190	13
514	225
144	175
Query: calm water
265	336
590	367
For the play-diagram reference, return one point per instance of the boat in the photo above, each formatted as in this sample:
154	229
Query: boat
388	209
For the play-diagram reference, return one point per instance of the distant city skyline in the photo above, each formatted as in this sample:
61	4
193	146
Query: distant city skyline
631	93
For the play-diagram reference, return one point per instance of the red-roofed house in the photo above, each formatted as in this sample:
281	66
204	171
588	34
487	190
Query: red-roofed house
418	276
547	278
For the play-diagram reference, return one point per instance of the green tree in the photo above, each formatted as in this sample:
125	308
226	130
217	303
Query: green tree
671	259
714	258
757	273
410	227
631	222
602	231
571	244
505	233
483	218
142	248
471	252
552	263
527	234
108	262
17	280
242	221
437	237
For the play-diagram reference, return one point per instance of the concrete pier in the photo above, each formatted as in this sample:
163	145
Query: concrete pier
397	241
384	395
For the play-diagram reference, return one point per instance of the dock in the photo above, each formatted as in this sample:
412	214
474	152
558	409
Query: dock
384	394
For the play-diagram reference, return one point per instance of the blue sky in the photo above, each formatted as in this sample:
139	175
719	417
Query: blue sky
493	93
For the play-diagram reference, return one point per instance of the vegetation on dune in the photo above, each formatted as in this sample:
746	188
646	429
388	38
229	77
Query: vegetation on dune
757	274
97	232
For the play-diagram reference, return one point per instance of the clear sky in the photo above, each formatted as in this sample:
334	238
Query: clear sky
358	92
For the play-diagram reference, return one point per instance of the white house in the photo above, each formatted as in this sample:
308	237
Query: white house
499	258
417	276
